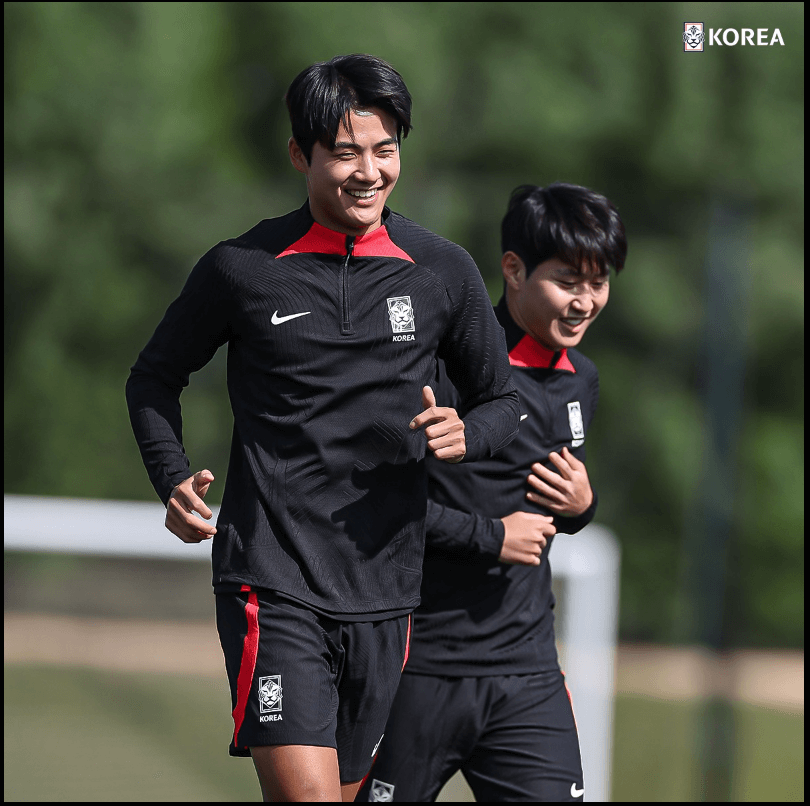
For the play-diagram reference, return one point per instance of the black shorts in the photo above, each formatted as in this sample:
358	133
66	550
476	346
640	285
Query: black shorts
299	677
513	738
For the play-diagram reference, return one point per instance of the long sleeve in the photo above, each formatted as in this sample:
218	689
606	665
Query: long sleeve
477	363
454	530
193	328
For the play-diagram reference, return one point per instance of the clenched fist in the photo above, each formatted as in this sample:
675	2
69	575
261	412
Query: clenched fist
526	535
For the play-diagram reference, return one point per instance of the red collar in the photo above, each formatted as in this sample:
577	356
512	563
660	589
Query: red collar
328	242
530	353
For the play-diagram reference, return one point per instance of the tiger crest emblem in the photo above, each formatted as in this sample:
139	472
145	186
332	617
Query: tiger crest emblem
400	314
693	38
270	693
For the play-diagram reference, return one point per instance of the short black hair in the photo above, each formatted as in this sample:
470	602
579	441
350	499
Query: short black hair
572	223
322	97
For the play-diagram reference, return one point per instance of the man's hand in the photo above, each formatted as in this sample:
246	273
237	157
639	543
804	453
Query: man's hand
525	537
565	493
445	430
187	498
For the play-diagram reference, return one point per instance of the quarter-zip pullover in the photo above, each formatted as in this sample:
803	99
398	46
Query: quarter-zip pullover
479	616
330	341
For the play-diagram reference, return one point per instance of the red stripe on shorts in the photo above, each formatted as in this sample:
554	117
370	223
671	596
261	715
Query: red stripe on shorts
570	700
362	783
249	654
407	642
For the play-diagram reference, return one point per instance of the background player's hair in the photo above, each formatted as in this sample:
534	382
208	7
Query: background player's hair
323	95
577	225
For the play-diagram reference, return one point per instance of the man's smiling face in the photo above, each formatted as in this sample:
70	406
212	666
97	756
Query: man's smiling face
349	185
556	303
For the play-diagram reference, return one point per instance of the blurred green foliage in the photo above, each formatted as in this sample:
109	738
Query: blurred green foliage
137	135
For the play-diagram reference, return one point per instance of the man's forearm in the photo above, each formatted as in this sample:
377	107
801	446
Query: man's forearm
491	425
455	530
154	411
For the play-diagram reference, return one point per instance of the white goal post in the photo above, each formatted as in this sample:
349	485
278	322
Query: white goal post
587	565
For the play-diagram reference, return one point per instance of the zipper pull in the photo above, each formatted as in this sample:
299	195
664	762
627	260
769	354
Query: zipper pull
349	249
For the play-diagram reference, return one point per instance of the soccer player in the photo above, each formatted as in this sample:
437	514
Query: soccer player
483	691
334	316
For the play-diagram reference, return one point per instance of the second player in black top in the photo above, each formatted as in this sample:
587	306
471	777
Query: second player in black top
483	691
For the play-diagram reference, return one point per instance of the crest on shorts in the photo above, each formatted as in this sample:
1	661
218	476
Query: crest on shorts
270	694
577	426
400	312
381	792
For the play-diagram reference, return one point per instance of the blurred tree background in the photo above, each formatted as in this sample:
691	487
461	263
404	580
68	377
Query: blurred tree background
137	135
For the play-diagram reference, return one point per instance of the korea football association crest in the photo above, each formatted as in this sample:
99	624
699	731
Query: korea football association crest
400	314
693	37
381	792
577	426
270	695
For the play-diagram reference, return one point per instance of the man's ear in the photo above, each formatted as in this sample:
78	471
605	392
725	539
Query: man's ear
514	270
297	157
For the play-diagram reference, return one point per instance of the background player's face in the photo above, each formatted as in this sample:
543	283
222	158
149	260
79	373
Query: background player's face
349	185
556	303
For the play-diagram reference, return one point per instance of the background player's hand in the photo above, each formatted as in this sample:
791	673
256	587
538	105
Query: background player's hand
187	498
525	537
565	493
445	430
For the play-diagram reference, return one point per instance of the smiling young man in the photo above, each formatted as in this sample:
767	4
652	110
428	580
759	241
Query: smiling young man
334	316
483	691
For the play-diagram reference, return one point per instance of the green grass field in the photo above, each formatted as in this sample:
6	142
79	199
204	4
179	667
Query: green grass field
76	735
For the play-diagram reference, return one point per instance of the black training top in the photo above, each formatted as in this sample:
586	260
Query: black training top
330	341
479	616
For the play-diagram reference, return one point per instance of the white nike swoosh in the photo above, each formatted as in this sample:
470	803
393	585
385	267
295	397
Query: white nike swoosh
523	417
377	746
575	793
277	320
